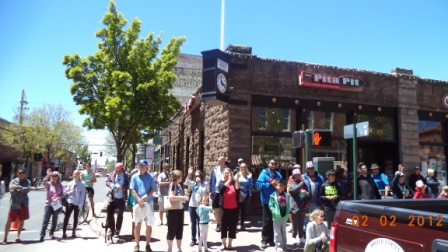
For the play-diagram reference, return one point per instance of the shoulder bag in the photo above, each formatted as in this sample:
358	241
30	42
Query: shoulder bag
171	205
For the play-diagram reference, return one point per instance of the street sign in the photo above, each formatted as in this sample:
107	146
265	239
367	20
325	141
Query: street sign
362	130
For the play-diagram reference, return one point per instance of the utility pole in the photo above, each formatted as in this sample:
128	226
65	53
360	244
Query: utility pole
23	102
223	7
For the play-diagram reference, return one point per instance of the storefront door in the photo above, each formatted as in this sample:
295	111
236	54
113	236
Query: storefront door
384	154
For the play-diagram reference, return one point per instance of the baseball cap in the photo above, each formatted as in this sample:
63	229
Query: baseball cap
309	165
166	164
240	160
143	162
297	166
296	172
119	166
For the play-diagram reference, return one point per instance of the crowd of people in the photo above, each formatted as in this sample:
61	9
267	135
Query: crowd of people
226	194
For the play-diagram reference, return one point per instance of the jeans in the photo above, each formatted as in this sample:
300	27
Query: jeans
194	222
267	229
71	208
243	206
48	211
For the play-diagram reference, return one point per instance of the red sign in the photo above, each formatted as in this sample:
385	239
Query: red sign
344	83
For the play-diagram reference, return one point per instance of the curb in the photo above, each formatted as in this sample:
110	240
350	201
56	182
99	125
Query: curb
94	227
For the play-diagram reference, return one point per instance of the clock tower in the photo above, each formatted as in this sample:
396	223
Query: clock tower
215	83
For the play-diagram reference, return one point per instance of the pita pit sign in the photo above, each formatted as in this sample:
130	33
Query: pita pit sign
343	83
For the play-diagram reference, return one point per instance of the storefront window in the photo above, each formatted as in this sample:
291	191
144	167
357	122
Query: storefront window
327	120
334	122
265	148
432	149
271	119
381	127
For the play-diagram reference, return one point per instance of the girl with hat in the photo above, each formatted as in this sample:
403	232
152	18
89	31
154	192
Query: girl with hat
420	192
298	203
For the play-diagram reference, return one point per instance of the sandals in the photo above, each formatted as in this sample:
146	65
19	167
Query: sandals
18	240
4	242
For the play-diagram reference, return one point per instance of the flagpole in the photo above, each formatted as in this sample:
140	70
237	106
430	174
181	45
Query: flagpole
223	5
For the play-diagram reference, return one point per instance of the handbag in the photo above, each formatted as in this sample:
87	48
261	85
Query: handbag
64	200
171	205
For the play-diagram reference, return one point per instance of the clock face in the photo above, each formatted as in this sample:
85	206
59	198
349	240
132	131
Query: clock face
221	82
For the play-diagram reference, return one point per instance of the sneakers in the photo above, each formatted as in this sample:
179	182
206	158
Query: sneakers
296	240
218	228
222	248
148	248
303	240
136	248
117	233
242	228
192	243
279	249
263	245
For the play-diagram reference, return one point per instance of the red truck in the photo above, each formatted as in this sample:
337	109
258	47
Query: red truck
390	225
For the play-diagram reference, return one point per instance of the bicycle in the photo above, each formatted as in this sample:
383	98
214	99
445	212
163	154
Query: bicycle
84	211
60	223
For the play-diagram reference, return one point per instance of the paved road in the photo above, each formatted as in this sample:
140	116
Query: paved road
88	234
34	224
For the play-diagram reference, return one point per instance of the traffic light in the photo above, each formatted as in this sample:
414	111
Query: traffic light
297	139
101	153
321	138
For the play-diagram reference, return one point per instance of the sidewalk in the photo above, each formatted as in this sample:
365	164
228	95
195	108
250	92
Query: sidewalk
245	241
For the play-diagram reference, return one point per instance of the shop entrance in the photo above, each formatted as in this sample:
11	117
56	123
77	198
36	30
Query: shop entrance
384	154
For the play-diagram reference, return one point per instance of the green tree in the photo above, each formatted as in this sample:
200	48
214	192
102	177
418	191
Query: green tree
124	86
83	153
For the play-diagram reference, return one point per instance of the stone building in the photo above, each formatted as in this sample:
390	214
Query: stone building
252	112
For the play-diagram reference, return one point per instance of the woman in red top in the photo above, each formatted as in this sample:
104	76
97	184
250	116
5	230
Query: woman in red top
420	190
229	188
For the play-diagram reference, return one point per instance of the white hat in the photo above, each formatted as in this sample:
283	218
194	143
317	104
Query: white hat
240	160
297	166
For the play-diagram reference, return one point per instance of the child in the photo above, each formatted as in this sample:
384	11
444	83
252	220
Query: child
331	194
279	206
203	210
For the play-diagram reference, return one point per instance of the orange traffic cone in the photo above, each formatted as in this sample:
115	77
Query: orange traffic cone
15	224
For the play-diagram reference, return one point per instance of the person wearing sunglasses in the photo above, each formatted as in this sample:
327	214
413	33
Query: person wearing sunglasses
197	188
19	189
317	235
53	204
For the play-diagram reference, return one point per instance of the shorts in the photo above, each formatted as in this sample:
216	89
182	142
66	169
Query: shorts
146	214
23	213
90	192
160	202
216	201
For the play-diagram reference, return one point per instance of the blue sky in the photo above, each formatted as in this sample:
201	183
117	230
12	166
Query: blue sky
368	35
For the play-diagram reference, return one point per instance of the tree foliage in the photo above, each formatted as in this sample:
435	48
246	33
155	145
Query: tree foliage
124	86
48	129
